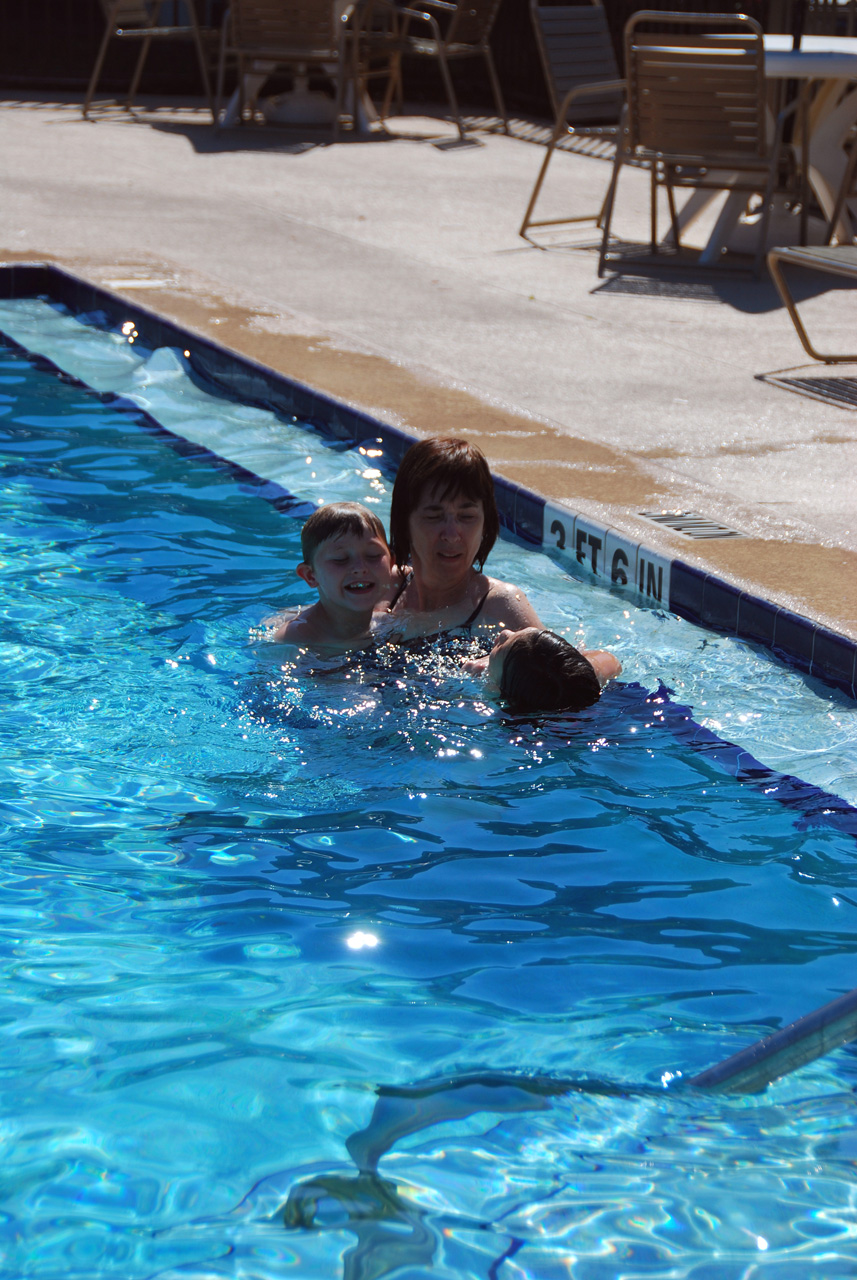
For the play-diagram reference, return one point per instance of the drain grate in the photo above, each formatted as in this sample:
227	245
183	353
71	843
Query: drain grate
692	524
841	392
657	287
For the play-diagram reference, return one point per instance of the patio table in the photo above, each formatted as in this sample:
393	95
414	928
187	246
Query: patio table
301	105
831	115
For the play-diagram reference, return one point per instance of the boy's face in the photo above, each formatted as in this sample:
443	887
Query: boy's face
351	571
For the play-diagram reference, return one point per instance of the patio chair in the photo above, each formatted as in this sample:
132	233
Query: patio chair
696	116
295	34
583	81
138	20
417	33
831	259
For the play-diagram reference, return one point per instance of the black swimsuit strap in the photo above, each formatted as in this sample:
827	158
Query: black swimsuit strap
403	586
462	626
465	626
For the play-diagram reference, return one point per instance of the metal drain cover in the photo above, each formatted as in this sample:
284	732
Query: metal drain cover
841	391
656	287
692	524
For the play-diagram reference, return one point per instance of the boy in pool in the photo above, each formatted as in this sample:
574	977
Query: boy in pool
537	670
347	560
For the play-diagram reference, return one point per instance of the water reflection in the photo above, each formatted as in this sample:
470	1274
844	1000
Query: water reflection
393	1231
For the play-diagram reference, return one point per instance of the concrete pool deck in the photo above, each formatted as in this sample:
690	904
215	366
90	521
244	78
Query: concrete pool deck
388	272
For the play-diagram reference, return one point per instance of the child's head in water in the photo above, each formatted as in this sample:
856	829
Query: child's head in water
540	671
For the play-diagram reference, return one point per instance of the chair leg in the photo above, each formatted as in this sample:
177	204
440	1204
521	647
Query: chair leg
99	61
221	71
608	212
559	129
775	265
653	210
240	89
761	244
138	72
203	65
673	216
394	85
347	73
495	85
450	91
143	55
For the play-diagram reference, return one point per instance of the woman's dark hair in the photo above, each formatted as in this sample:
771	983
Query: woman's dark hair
453	468
543	672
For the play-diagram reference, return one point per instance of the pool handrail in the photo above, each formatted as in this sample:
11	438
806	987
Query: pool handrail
801	1042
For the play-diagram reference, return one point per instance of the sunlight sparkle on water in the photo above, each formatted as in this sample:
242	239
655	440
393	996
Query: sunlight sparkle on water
359	940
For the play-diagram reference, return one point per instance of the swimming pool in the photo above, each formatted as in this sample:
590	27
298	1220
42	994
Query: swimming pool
244	914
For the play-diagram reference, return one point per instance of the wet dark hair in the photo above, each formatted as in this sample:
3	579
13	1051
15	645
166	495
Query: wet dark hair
334	519
543	672
452	467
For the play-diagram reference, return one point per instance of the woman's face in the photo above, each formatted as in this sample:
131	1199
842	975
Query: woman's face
446	533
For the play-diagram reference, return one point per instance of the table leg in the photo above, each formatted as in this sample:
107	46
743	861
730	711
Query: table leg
253	82
828	159
727	220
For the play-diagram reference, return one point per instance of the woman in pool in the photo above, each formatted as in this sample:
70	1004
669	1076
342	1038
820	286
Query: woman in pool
443	524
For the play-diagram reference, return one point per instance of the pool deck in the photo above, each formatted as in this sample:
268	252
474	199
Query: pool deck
388	272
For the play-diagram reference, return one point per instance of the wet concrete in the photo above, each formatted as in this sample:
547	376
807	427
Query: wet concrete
389	274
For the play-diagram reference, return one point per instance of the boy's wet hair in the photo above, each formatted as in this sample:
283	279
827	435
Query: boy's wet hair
543	672
335	519
453	468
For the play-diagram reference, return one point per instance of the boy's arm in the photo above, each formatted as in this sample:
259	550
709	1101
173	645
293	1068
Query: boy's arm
606	665
288	627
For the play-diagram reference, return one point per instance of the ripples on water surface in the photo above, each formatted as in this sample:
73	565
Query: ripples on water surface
353	976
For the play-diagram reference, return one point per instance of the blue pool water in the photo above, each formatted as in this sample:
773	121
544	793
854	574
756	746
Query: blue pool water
352	976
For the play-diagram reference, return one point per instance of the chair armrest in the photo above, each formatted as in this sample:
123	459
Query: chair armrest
434	4
782	117
406	13
401	11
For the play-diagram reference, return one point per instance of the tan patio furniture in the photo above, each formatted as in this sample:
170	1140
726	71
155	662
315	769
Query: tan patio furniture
300	35
583	81
412	31
138	20
836	260
696	115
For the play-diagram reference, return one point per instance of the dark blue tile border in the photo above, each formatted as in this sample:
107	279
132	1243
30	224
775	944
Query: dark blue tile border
756	620
687	589
269	490
720	603
835	658
794	638
817	808
694	594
